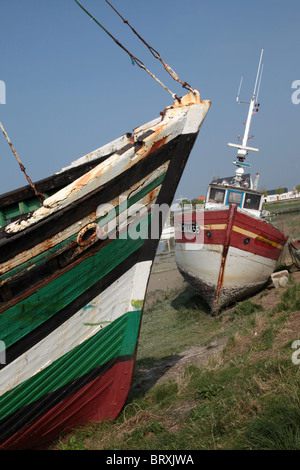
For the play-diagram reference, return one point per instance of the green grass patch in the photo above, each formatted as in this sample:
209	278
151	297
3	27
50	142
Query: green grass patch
172	324
278	428
247	308
290	300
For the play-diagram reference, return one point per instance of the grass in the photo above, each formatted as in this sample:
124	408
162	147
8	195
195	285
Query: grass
290	300
245	397
284	220
278	428
282	205
172	317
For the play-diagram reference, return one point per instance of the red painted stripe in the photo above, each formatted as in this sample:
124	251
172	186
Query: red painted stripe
260	227
201	218
254	246
103	398
265	235
258	243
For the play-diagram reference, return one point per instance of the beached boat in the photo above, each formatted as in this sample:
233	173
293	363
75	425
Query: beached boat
226	250
76	251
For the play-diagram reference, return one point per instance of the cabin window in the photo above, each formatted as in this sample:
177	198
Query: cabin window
252	201
216	195
234	197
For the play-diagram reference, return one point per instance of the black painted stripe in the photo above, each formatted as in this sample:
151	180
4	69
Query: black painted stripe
15	243
63	178
53	182
176	167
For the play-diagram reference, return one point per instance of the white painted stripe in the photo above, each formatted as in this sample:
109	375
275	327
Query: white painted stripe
203	263
112	147
124	295
190	246
241	267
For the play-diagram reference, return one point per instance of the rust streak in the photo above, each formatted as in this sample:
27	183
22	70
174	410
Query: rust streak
158	144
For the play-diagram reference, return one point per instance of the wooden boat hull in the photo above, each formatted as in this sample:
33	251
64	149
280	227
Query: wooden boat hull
72	298
227	254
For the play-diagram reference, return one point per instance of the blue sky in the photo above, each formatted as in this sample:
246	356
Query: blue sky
71	89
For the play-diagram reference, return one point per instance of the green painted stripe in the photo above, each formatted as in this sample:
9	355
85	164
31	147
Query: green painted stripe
28	314
2	219
53	251
117	339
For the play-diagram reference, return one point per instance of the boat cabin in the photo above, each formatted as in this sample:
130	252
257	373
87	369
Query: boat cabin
245	198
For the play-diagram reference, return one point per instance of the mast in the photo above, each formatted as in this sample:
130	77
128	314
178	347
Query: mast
244	148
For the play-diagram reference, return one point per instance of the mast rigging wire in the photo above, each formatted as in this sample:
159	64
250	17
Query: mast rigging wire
153	51
135	59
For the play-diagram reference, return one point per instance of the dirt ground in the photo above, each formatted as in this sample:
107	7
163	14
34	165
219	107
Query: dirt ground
165	275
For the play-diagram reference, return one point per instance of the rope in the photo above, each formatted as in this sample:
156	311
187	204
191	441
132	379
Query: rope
39	195
153	52
134	59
